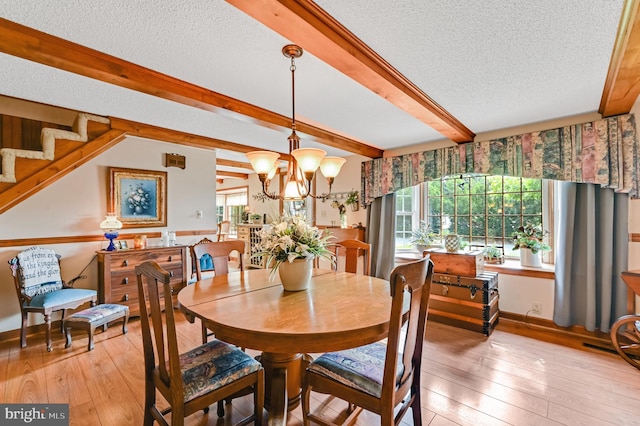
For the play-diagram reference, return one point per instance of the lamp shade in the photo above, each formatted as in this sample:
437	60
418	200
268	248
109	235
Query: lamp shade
262	161
330	166
110	223
273	172
294	190
308	158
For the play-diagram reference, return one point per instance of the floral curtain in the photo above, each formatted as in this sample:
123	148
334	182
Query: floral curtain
603	152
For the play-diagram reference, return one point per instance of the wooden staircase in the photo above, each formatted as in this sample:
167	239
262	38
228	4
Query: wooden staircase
25	171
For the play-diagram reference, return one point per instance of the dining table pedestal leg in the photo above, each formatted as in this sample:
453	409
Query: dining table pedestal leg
283	384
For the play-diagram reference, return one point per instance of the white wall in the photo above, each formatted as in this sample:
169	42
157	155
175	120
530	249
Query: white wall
77	203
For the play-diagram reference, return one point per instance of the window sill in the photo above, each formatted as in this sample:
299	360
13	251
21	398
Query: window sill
509	267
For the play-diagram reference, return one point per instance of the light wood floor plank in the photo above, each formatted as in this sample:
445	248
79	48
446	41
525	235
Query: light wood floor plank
26	380
84	415
114	402
468	379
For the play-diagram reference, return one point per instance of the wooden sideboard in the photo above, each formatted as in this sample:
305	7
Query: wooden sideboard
117	275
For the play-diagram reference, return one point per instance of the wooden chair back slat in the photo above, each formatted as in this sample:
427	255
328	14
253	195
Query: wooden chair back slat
152	280
355	250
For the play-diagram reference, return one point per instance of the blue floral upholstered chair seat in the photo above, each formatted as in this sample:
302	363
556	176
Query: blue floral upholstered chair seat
212	372
40	288
360	368
383	378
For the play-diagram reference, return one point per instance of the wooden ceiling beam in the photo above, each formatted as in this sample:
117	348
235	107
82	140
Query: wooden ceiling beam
174	136
232	163
232	174
306	24
622	86
33	45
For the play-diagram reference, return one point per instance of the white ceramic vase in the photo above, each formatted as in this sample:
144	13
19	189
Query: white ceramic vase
296	275
527	258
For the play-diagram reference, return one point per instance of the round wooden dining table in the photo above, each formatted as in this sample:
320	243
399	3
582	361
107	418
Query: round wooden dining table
339	310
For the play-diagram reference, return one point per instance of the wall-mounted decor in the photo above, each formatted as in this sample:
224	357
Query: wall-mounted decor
138	197
175	160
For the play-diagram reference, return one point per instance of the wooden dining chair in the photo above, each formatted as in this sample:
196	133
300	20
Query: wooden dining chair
205	265
40	289
354	250
380	377
191	381
219	252
223	230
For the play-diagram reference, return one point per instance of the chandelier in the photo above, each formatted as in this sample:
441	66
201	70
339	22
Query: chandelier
303	162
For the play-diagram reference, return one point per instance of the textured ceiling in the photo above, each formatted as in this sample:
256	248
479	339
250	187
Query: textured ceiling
492	64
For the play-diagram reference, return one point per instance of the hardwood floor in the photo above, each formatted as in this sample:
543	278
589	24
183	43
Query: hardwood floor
467	379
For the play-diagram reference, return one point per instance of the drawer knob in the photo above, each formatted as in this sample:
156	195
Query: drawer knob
125	263
125	280
171	273
125	298
170	258
445	290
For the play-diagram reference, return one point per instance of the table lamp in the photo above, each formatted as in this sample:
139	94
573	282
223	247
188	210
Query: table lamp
110	226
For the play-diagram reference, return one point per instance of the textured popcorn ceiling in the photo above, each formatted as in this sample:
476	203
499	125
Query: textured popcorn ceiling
493	64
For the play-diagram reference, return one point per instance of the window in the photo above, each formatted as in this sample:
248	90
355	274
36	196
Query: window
230	205
483	210
404	217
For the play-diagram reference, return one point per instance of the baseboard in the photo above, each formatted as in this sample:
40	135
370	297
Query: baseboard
546	330
32	329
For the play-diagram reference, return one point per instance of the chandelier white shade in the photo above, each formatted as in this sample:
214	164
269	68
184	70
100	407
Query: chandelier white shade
303	162
262	161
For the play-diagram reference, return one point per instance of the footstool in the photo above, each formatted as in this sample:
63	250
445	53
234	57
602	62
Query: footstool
95	316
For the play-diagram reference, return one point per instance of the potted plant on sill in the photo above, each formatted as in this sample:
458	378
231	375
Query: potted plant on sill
493	255
353	201
423	237
530	239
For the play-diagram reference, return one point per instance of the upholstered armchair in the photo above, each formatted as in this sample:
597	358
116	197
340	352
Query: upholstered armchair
40	288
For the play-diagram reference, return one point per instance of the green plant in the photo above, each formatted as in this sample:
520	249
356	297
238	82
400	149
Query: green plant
255	216
292	238
532	237
423	236
492	252
352	198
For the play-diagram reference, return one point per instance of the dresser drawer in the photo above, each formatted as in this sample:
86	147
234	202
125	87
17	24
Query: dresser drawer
129	260
118	280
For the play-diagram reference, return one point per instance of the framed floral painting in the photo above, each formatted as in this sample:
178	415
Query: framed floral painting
138	197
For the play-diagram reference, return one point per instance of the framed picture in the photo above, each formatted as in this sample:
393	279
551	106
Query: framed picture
123	245
138	197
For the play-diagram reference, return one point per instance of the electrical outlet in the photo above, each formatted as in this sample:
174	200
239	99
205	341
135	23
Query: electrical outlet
536	308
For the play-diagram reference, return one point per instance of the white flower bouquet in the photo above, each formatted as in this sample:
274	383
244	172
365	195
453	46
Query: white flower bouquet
292	238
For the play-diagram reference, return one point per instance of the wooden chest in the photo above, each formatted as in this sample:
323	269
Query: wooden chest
465	302
117	274
468	264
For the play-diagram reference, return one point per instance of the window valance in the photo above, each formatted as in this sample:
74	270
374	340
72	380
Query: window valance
604	152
